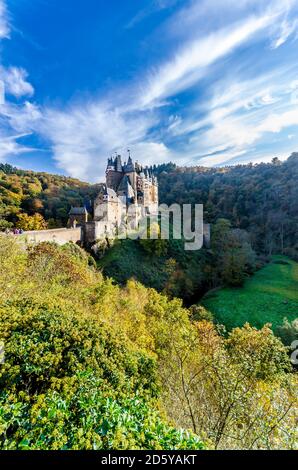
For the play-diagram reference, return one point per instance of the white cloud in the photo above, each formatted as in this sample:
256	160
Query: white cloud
286	30
234	135
287	27
198	15
220	158
17	121
25	117
277	122
4	24
150	153
238	115
13	118
85	134
232	96
9	146
15	80
188	64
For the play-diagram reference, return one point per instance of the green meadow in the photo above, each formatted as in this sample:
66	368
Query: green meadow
267	297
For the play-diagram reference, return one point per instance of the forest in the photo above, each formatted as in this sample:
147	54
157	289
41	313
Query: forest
252	209
23	194
259	198
253	212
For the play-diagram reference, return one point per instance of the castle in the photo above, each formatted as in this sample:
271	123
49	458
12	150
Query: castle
128	198
129	193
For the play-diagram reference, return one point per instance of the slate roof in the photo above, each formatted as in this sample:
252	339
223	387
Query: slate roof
129	167
126	187
78	211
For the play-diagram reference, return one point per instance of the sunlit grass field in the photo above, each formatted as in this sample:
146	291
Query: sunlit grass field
268	297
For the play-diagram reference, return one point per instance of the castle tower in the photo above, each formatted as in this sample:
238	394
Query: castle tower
125	191
114	172
107	212
130	171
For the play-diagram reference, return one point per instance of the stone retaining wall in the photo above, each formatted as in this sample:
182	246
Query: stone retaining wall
61	236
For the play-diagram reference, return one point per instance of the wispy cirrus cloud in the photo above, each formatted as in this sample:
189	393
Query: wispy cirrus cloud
4	21
286	30
240	115
13	82
153	7
187	66
10	146
288	26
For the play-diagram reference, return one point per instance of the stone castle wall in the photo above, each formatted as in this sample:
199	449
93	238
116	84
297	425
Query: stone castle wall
85	235
61	236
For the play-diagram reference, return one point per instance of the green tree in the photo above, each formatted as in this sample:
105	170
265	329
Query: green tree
4	225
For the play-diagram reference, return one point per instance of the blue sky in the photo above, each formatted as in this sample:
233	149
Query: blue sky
209	82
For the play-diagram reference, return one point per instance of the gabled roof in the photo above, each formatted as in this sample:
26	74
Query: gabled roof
129	167
118	163
124	183
108	192
111	193
78	211
126	187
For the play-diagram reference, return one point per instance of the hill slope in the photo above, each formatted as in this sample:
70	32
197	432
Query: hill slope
261	198
43	193
90	365
268	297
176	272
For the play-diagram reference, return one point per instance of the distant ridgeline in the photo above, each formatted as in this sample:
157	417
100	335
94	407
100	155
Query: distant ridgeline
260	198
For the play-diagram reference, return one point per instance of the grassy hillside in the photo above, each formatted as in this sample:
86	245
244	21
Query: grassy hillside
268	297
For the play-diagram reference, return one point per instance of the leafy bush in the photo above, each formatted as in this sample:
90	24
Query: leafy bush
71	378
288	331
84	416
44	345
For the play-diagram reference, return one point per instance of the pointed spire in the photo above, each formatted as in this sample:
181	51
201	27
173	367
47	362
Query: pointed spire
111	164
130	167
118	164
